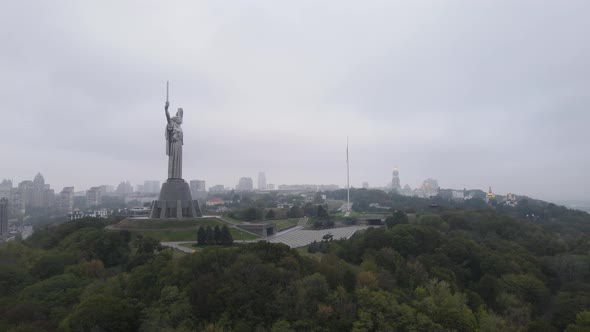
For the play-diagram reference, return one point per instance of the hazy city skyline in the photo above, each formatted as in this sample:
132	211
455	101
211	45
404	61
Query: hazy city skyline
473	94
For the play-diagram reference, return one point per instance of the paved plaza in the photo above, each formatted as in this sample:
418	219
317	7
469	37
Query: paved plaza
293	237
298	237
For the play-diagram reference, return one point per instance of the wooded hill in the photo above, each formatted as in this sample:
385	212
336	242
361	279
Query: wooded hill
453	269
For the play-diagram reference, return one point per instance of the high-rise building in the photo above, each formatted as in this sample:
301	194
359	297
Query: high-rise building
395	183
66	199
365	185
5	188
26	190
109	189
245	184
124	188
198	189
218	188
261	181
93	197
36	194
3	217
38	199
151	186
13	196
198	185
103	190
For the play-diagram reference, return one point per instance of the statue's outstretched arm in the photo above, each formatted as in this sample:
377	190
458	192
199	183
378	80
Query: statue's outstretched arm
167	114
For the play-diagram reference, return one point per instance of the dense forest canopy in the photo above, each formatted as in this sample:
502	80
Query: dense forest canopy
451	269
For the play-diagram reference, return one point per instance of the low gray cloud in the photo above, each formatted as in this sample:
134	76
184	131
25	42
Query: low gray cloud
475	94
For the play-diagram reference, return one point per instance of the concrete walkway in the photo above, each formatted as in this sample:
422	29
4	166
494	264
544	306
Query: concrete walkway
177	246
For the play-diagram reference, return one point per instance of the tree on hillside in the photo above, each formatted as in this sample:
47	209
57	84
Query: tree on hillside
398	217
270	214
146	244
318	199
102	312
310	210
210	238
226	237
322	212
217	234
201	236
295	212
172	312
582	323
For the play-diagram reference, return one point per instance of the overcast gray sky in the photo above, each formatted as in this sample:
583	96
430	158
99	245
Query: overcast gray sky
472	93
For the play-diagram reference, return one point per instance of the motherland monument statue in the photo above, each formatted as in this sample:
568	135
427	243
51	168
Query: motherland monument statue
175	199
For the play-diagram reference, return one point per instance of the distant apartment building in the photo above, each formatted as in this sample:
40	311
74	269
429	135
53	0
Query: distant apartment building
245	184
151	186
14	197
308	187
262	181
138	198
124	188
4	217
218	188
365	185
26	190
103	190
93	197
66	199
43	196
103	213
198	189
77	214
36	194
458	195
109	189
140	188
198	185
5	188
16	201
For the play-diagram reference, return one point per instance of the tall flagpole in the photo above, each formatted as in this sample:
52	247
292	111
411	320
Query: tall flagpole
347	179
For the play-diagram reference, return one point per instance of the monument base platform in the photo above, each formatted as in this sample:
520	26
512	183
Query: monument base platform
175	202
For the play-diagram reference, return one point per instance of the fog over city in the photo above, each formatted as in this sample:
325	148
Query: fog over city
472	93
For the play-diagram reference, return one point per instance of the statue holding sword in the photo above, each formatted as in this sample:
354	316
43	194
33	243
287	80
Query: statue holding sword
174	141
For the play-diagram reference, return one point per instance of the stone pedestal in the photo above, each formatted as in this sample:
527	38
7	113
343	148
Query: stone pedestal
175	201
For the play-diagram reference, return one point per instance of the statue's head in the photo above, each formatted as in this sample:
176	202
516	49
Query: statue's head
178	117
